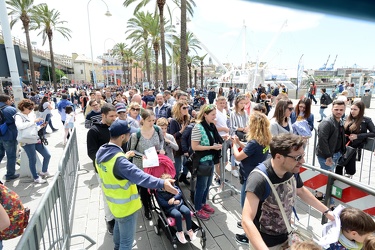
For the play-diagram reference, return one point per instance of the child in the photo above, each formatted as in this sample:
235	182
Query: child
369	243
174	207
69	122
169	141
356	225
305	245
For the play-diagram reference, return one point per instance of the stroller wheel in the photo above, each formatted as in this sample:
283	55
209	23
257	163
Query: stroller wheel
156	229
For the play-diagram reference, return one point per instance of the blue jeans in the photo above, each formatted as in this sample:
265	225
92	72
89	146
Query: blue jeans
201	189
322	162
177	214
10	148
49	122
30	150
322	115
124	232
178	164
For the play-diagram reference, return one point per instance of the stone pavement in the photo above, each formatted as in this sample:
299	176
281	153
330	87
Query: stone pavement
89	214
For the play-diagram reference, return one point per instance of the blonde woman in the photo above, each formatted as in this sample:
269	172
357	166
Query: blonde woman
177	126
134	111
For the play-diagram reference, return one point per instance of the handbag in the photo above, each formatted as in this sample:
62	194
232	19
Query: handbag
28	135
294	236
205	168
349	153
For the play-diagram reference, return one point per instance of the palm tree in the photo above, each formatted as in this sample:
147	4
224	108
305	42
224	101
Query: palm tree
118	52
192	61
183	44
201	58
138	33
160	4
48	20
22	10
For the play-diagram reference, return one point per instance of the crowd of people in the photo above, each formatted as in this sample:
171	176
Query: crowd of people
258	128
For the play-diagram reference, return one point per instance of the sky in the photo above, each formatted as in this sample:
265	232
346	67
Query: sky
277	35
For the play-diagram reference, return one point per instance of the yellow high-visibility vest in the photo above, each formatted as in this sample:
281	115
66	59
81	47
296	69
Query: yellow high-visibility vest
121	195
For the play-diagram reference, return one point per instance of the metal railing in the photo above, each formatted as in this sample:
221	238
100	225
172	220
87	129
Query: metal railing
51	224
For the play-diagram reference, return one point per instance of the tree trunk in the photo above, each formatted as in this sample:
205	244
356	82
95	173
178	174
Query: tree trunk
156	50
161	4
147	59
136	73
195	78
178	78
131	72
202	74
53	69
30	54
190	75
183	67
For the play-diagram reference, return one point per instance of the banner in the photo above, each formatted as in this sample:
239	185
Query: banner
300	72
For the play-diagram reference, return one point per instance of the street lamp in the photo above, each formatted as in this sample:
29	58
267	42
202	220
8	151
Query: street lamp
92	56
106	66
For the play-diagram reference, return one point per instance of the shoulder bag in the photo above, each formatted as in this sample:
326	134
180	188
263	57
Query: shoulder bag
349	153
294	236
28	135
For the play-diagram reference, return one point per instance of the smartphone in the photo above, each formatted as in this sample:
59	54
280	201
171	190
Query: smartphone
40	123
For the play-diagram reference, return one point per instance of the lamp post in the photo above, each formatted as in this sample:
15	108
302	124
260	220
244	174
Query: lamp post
92	55
106	66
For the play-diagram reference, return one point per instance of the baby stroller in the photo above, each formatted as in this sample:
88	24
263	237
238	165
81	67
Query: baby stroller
160	220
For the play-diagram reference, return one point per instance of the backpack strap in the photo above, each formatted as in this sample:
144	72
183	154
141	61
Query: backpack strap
263	168
139	136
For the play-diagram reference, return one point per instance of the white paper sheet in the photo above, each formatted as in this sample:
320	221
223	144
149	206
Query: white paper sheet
152	158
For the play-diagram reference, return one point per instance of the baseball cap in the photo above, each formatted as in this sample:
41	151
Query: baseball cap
121	127
120	107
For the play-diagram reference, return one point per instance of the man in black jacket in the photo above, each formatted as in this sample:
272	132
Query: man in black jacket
97	136
331	137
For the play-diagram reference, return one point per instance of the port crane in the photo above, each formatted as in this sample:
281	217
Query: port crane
325	65
333	64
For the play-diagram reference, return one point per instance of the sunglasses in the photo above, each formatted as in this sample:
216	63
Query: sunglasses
291	109
296	158
185	108
135	109
121	112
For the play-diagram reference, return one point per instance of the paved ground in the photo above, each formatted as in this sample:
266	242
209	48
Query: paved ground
89	215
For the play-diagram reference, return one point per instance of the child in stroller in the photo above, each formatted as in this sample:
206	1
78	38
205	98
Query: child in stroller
173	206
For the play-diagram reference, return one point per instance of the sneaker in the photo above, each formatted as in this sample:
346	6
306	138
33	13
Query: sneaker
39	180
110	226
45	174
201	214
192	234
13	177
181	237
239	224
235	173
242	239
134	243
207	209
218	181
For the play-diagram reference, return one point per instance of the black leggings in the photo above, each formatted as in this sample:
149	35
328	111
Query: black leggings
145	198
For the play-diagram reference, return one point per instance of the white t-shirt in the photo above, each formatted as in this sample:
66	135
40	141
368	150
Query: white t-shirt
221	121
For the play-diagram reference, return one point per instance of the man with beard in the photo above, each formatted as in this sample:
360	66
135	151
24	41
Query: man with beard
119	179
97	136
261	215
162	109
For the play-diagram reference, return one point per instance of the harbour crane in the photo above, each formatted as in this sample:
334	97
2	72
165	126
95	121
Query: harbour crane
333	64
325	65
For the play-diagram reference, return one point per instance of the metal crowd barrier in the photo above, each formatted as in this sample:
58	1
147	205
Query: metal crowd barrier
51	224
231	189
343	190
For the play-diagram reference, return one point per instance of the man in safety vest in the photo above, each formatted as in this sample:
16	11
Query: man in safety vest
119	180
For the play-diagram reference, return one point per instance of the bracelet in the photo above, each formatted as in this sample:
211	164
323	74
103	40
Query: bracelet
325	212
